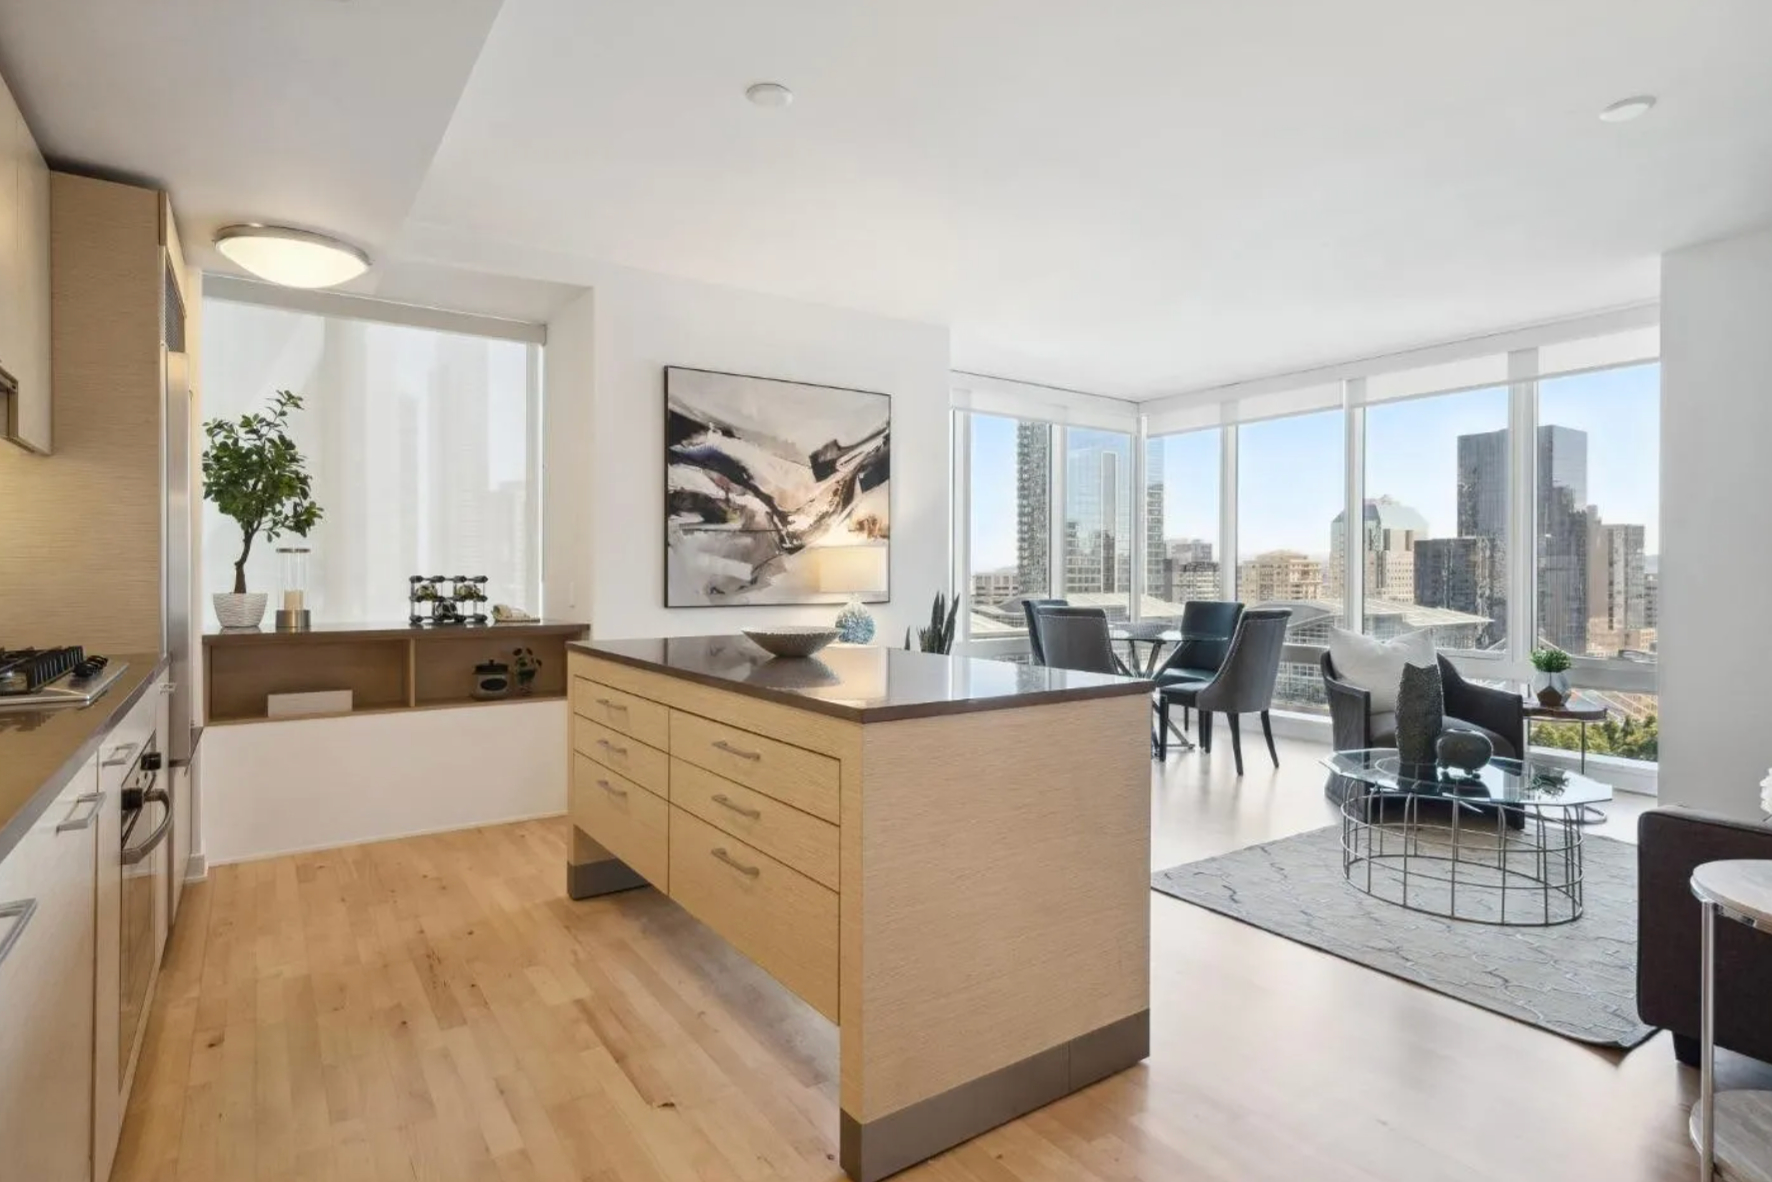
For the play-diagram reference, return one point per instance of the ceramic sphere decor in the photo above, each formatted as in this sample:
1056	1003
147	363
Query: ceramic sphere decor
791	641
242	609
855	624
1464	751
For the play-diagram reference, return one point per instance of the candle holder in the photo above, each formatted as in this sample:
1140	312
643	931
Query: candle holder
292	616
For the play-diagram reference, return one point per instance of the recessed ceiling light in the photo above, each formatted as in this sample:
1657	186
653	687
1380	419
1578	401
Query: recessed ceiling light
769	94
291	257
1624	110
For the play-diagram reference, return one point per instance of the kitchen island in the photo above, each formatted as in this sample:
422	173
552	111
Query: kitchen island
948	857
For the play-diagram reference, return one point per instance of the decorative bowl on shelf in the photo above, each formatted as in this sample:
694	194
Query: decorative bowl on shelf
791	641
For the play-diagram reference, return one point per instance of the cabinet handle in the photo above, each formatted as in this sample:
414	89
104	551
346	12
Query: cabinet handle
721	798
608	705
606	786
121	756
728	748
20	912
720	855
612	748
96	800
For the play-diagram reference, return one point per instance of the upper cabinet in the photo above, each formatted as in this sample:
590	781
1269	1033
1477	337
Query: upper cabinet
24	280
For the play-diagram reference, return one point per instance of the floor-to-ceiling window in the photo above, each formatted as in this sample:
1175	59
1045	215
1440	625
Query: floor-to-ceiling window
1183	554
1436	522
1291	545
1596	569
422	446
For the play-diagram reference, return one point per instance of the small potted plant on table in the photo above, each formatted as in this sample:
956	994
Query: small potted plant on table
255	474
1553	676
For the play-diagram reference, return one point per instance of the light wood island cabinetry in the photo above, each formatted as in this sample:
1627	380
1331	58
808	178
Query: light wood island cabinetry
946	857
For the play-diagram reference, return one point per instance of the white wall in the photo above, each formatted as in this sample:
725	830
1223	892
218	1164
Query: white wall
1716	558
604	547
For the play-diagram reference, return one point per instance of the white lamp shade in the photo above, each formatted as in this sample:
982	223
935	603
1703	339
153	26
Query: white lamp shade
291	257
851	570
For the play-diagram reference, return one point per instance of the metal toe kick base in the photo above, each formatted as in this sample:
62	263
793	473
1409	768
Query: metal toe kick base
921	1130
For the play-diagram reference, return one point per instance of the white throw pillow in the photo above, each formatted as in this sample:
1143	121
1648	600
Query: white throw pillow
1376	666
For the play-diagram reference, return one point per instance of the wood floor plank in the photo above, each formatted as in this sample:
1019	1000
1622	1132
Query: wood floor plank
435	1010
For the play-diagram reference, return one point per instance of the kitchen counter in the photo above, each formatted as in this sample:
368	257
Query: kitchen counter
41	749
947	857
861	683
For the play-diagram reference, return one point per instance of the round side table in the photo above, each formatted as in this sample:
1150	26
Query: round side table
1733	1131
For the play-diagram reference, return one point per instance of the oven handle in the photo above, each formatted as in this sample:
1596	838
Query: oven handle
132	855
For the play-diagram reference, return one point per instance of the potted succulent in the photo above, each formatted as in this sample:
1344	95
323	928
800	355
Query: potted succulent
938	637
1552	664
255	474
526	665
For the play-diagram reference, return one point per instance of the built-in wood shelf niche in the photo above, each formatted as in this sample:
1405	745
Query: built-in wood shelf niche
385	668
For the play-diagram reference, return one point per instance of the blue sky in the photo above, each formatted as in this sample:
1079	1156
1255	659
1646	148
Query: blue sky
1290	470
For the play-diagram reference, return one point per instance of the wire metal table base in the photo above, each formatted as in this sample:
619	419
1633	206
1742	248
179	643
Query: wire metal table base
1459	859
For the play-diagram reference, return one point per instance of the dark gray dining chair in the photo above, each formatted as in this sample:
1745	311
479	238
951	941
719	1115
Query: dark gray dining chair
1032	609
1207	626
1077	638
1244	685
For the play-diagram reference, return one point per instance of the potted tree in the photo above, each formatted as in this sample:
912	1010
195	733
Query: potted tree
255	474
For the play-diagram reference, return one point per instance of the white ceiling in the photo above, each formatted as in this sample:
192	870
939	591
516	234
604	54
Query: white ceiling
1133	198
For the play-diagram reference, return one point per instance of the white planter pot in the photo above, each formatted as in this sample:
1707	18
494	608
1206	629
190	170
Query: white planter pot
240	611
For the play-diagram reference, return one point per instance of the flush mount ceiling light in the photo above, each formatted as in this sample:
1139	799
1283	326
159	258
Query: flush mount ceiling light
769	94
291	257
1624	110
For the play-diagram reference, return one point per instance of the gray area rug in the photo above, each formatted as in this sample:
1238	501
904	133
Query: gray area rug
1577	980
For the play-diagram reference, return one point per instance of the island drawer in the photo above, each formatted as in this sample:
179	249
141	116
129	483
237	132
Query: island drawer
790	774
800	840
646	766
775	915
623	817
634	716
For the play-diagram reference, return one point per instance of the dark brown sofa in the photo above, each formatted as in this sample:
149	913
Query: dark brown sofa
1671	843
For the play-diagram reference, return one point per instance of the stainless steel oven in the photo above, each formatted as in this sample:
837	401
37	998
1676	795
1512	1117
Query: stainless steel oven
147	819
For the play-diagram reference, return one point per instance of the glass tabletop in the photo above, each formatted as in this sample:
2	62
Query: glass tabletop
1500	781
1167	633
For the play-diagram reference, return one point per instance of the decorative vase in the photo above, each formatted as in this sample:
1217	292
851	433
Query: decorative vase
1421	713
525	681
1553	690
1464	751
239	610
855	624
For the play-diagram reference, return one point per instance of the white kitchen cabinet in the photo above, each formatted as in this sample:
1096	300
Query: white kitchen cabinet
46	990
24	278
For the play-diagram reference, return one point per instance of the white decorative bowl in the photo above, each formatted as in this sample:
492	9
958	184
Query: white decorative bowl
240	611
791	641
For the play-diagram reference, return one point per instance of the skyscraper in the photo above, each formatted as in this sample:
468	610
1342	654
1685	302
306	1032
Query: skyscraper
1033	509
1153	519
1463	574
1094	559
1387	539
1562	537
1617	587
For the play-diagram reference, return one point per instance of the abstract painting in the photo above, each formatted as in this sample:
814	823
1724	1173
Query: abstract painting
759	474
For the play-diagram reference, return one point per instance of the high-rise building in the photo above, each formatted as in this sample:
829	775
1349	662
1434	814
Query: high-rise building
1033	509
1388	536
1651	596
1280	575
1190	549
1617	595
1562	537
995	586
1464	575
1094	560
1153	518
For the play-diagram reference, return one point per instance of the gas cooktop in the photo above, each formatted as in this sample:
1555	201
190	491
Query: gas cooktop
36	678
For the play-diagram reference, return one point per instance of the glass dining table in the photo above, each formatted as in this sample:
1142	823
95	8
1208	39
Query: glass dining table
1157	634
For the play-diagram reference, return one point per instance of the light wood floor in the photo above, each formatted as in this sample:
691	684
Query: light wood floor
435	1009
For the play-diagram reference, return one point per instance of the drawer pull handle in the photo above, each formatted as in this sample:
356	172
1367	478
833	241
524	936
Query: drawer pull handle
96	800
612	748
728	748
606	786
611	706
20	913
721	855
721	798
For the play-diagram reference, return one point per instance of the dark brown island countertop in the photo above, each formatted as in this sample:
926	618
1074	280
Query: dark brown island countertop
861	683
41	749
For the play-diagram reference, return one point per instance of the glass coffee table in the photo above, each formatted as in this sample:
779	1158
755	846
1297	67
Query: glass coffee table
1502	845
